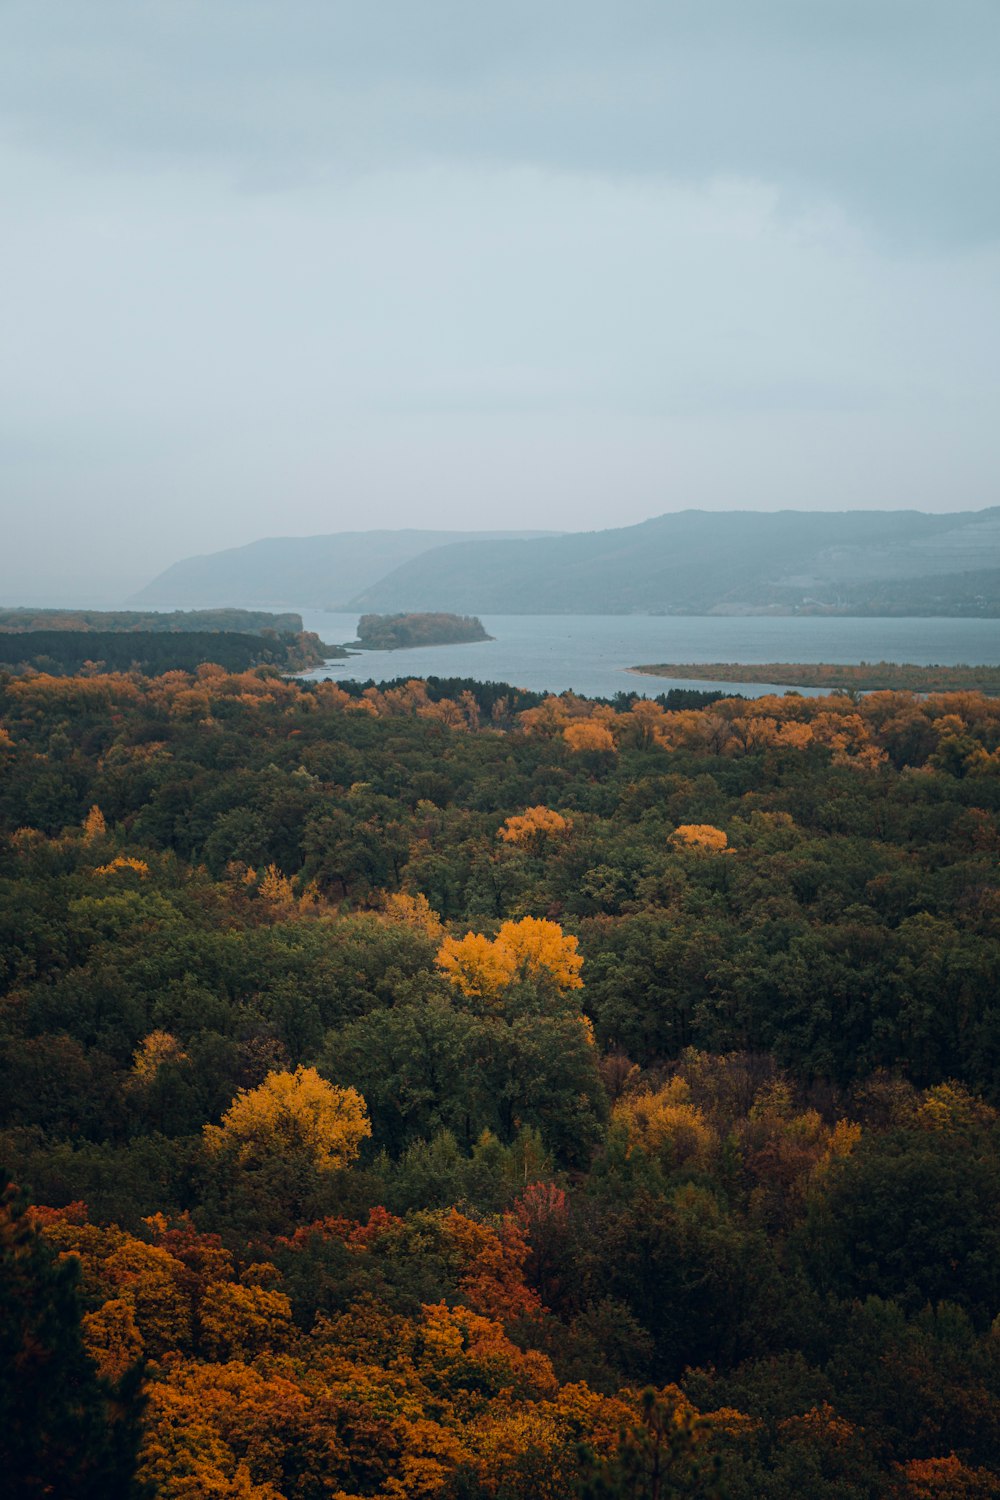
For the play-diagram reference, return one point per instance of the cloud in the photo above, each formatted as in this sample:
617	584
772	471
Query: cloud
889	107
276	268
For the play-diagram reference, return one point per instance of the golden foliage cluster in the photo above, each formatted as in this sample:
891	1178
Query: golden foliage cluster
960	729
699	836
291	1113
534	828
533	948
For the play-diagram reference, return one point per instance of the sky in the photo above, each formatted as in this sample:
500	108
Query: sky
290	268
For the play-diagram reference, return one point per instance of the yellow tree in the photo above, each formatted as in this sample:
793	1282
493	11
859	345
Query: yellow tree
666	1117
534	827
530	949
94	826
157	1048
413	911
237	1322
112	1339
124	862
475	965
699	836
587	734
298	1113
539	949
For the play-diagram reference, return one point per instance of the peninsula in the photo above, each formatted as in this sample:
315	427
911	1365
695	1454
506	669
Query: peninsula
863	677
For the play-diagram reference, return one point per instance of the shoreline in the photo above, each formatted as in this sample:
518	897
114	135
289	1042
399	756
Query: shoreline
865	677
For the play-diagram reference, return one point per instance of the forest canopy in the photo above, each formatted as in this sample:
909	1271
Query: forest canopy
431	1089
155	651
247	621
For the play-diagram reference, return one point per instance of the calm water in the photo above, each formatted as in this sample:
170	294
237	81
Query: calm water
590	653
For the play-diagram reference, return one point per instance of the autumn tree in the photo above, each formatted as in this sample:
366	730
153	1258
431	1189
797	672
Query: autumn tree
414	912
94	825
476	965
699	836
533	949
663	1453
533	828
63	1431
666	1120
293	1113
587	734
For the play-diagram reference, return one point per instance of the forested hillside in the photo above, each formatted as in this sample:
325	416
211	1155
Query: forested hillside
697	562
429	1091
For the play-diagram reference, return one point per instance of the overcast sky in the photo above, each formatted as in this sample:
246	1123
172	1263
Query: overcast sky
294	267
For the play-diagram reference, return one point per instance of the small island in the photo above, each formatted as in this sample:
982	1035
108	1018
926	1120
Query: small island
393	632
860	677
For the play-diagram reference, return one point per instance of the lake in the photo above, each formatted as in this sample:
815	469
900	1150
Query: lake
591	653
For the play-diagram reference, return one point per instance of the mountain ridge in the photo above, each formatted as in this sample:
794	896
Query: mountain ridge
319	571
893	562
695	562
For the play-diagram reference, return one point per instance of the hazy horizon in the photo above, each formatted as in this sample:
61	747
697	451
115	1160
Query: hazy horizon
299	269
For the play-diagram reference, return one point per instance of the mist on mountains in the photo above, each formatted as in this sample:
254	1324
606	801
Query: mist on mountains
691	562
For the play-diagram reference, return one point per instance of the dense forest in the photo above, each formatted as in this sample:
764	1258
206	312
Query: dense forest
157	651
249	621
435	1090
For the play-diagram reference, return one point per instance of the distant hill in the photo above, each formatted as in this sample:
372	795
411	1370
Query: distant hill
319	572
698	562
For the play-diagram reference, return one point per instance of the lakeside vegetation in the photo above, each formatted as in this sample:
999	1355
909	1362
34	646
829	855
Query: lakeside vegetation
851	677
392	632
436	1090
155	651
246	621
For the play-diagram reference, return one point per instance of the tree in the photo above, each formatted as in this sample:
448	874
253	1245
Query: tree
699	836
533	828
658	1456
532	949
63	1430
665	1119
586	734
477	966
298	1113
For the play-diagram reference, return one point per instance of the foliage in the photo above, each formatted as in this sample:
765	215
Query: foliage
699	836
390	632
293	1113
531	949
513	1112
247	621
63	1429
68	651
533	828
863	676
